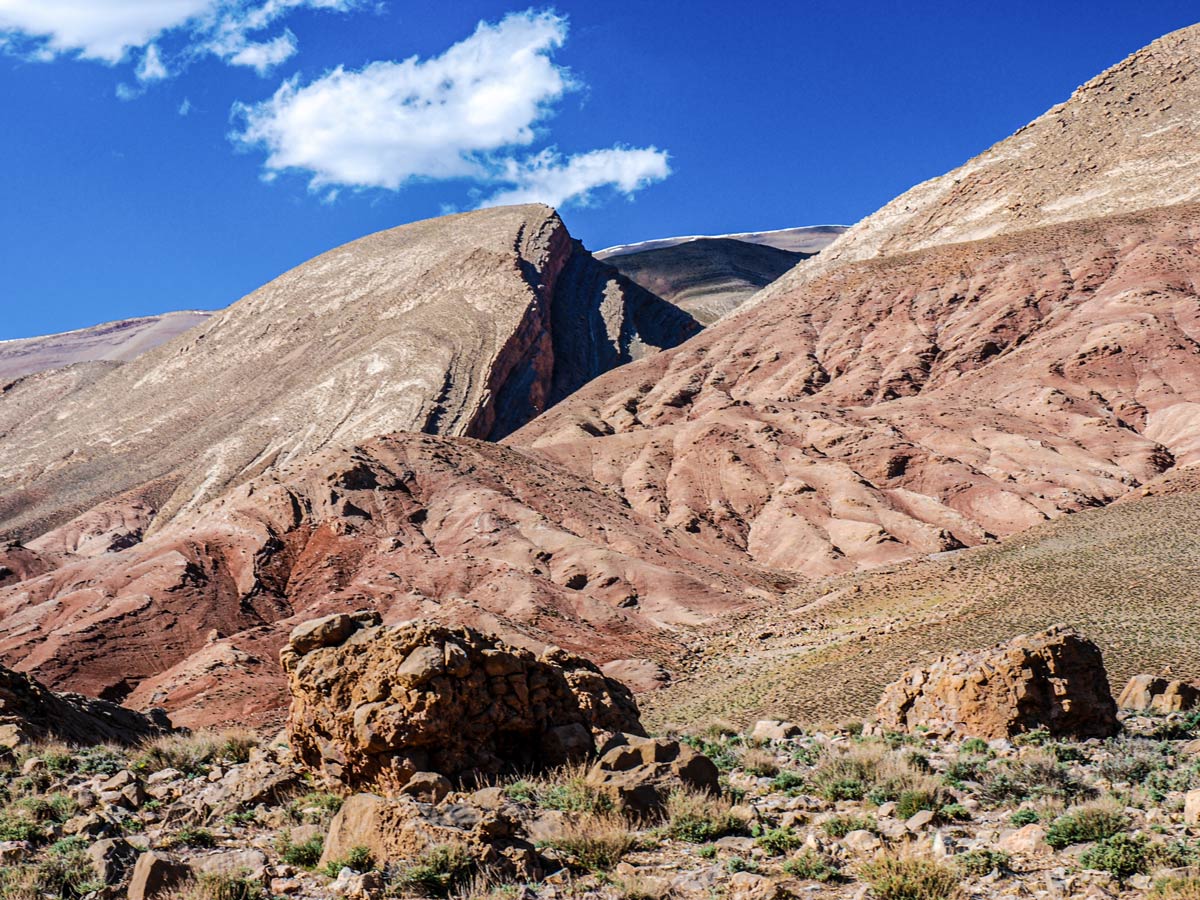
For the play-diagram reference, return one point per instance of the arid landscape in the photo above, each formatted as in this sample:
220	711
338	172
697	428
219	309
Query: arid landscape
461	560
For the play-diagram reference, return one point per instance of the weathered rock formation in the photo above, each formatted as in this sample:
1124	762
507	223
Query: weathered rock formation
29	712
374	706
1155	693
463	325
639	773
1052	680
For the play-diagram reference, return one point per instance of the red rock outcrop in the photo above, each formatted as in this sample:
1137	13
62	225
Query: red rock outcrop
1053	680
1155	693
372	706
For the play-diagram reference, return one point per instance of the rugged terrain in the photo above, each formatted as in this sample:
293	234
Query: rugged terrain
706	277
468	324
745	495
111	342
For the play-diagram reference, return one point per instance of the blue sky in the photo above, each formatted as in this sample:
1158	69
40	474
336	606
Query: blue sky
171	154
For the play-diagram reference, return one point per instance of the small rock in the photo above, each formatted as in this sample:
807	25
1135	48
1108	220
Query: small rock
766	730
13	852
1191	808
154	874
919	820
861	841
427	786
1029	840
112	859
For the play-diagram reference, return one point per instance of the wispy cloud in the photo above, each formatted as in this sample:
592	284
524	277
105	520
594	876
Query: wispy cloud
111	31
462	115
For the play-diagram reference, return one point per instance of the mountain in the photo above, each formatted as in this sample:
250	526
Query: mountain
1021	350
706	277
1128	139
465	325
808	239
111	342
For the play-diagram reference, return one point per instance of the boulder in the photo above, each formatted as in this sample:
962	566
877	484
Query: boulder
403	828
1191	808
372	706
112	859
640	772
767	730
31	712
1052	680
1154	693
154	874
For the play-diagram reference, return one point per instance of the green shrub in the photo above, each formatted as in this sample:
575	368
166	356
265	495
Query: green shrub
1091	822
708	851
894	877
305	855
1034	775
1023	817
974	746
909	803
1177	888
315	808
192	837
699	818
787	781
840	826
65	871
778	841
594	841
977	863
222	886
1121	855
359	859
737	864
812	866
438	873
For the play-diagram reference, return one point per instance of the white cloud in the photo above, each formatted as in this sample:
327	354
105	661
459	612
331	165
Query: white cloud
96	29
264	56
151	67
395	121
107	30
462	114
548	178
185	107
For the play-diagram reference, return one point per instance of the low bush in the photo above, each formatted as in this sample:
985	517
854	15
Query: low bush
840	826
778	841
304	855
812	866
1090	822
358	859
699	818
595	842
977	863
901	877
439	873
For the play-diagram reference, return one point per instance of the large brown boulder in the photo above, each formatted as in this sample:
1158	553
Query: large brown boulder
372	706
30	712
1053	680
1154	693
639	773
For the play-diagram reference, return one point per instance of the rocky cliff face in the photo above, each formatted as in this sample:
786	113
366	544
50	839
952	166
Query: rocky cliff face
452	326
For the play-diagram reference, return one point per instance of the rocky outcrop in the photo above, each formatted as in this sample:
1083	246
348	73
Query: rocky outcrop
463	325
30	712
374	706
1052	680
639	773
1156	693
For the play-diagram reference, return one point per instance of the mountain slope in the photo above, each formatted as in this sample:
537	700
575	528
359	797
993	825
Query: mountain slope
111	342
469	324
805	239
706	277
914	404
1128	139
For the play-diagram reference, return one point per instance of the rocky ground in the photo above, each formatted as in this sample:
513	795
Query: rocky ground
836	811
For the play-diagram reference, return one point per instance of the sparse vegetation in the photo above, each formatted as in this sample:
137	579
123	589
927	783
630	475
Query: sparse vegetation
595	842
902	877
439	873
700	818
1090	822
358	859
812	866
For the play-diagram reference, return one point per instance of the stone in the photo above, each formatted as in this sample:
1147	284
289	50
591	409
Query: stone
372	706
1191	808
1053	680
1029	840
428	786
750	886
357	884
155	874
767	730
112	859
1154	693
921	819
640	772
861	841
248	863
401	828
13	852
